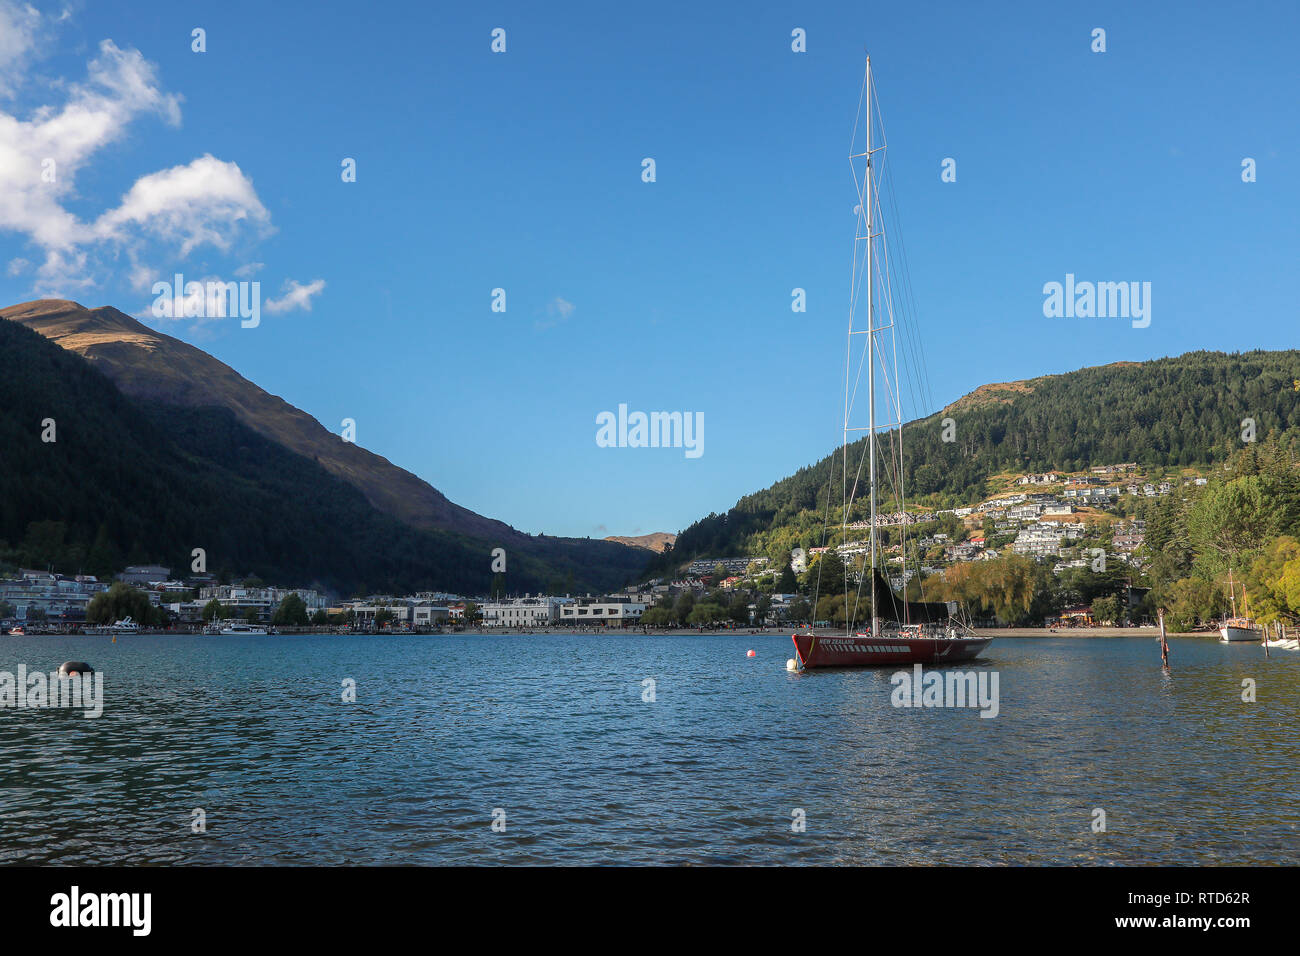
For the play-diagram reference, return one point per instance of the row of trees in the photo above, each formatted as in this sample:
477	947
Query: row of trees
715	607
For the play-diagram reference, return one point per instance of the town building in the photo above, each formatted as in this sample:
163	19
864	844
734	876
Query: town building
523	612
601	612
138	574
237	600
58	597
733	565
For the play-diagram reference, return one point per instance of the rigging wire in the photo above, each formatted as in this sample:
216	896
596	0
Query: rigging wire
898	300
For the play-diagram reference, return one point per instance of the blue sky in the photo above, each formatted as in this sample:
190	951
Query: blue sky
522	171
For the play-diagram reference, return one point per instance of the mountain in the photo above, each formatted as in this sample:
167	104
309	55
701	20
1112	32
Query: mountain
658	542
160	448
154	367
1186	411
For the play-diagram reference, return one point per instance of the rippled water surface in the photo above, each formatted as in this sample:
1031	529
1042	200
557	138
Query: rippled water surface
554	731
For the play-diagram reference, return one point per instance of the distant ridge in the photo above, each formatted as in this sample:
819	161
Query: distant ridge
658	542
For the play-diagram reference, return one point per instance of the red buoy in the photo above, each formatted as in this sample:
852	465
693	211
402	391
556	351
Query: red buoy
751	654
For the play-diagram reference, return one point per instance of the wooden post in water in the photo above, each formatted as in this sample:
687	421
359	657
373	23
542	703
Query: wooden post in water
1164	643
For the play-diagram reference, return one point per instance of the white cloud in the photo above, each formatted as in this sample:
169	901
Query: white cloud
18	266
170	212
249	270
296	296
20	30
204	202
557	310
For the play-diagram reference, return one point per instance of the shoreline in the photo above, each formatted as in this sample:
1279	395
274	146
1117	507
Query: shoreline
994	632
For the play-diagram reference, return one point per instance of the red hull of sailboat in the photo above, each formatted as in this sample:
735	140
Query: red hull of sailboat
862	650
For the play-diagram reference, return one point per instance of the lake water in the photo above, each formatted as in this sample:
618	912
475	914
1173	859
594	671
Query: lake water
554	731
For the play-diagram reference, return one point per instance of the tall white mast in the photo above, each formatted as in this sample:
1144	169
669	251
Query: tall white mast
866	209
871	357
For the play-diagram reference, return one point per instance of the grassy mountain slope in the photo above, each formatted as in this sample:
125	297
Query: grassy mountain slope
657	541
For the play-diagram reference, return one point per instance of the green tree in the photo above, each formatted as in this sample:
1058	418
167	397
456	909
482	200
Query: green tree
786	584
1231	521
1274	583
103	559
706	613
292	612
738	610
832	607
118	602
214	610
683	606
656	617
1194	601
799	611
1106	610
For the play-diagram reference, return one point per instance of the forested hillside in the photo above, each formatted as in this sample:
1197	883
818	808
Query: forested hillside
1167	413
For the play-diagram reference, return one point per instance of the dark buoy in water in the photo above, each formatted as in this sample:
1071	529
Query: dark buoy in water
74	668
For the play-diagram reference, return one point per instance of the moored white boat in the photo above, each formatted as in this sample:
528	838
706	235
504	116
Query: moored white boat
235	629
124	626
1239	629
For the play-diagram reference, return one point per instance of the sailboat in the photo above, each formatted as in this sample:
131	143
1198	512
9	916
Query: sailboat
899	631
1238	628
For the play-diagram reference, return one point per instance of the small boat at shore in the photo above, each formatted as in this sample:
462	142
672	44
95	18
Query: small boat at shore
124	626
1237	629
893	630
